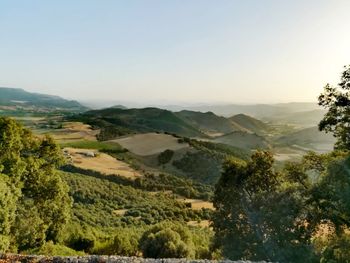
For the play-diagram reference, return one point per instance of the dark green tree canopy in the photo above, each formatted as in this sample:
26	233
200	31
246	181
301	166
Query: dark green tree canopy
28	166
337	101
167	240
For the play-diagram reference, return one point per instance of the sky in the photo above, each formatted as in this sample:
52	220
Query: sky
189	51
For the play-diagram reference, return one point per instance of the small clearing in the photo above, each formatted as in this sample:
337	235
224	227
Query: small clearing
150	143
91	159
197	204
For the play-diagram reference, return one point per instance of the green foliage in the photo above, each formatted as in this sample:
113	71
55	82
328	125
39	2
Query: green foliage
205	164
167	240
30	165
181	186
337	101
257	216
336	249
107	147
7	212
125	242
51	249
165	157
219	150
114	122
200	166
97	200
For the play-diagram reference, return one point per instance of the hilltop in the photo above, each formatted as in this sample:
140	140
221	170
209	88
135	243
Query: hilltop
208	122
250	124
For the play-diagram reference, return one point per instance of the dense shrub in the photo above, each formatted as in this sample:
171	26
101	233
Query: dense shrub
165	157
167	240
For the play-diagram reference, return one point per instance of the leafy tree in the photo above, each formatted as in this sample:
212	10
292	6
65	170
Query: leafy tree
258	214
42	203
337	101
165	157
167	240
7	212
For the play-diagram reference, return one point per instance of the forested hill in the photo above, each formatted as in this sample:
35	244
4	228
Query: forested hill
123	121
10	97
116	122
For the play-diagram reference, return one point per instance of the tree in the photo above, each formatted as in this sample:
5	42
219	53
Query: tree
258	215
167	240
30	164
337	119
7	212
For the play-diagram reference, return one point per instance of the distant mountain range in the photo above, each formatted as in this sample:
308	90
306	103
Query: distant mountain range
20	99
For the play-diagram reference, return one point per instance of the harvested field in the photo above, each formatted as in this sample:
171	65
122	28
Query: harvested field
150	143
197	204
91	159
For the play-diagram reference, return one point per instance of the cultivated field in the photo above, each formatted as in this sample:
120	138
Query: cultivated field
93	160
150	143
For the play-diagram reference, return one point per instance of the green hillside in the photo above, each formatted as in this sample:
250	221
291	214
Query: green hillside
243	140
115	122
208	122
310	138
19	98
249	123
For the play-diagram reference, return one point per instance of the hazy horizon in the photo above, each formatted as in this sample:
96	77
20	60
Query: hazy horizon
170	52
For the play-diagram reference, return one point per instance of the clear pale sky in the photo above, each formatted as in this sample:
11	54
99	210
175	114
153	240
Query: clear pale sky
174	51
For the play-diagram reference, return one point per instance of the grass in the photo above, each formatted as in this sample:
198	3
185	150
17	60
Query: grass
96	145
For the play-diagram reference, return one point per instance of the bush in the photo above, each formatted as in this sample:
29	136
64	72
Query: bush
165	157
167	240
51	249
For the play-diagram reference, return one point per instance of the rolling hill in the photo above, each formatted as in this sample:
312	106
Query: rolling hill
309	138
129	121
304	118
208	122
12	99
243	140
249	124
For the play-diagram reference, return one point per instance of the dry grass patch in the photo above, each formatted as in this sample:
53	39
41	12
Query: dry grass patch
74	131
90	159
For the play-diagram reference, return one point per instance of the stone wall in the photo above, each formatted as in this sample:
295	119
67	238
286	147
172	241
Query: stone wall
12	258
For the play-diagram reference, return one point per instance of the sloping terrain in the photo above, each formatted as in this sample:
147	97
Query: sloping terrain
70	132
308	139
150	143
304	118
244	140
250	124
19	98
208	122
139	121
90	159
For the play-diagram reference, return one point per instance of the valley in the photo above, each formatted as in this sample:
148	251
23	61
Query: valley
133	168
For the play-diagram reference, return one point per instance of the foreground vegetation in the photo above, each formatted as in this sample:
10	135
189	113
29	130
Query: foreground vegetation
300	213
